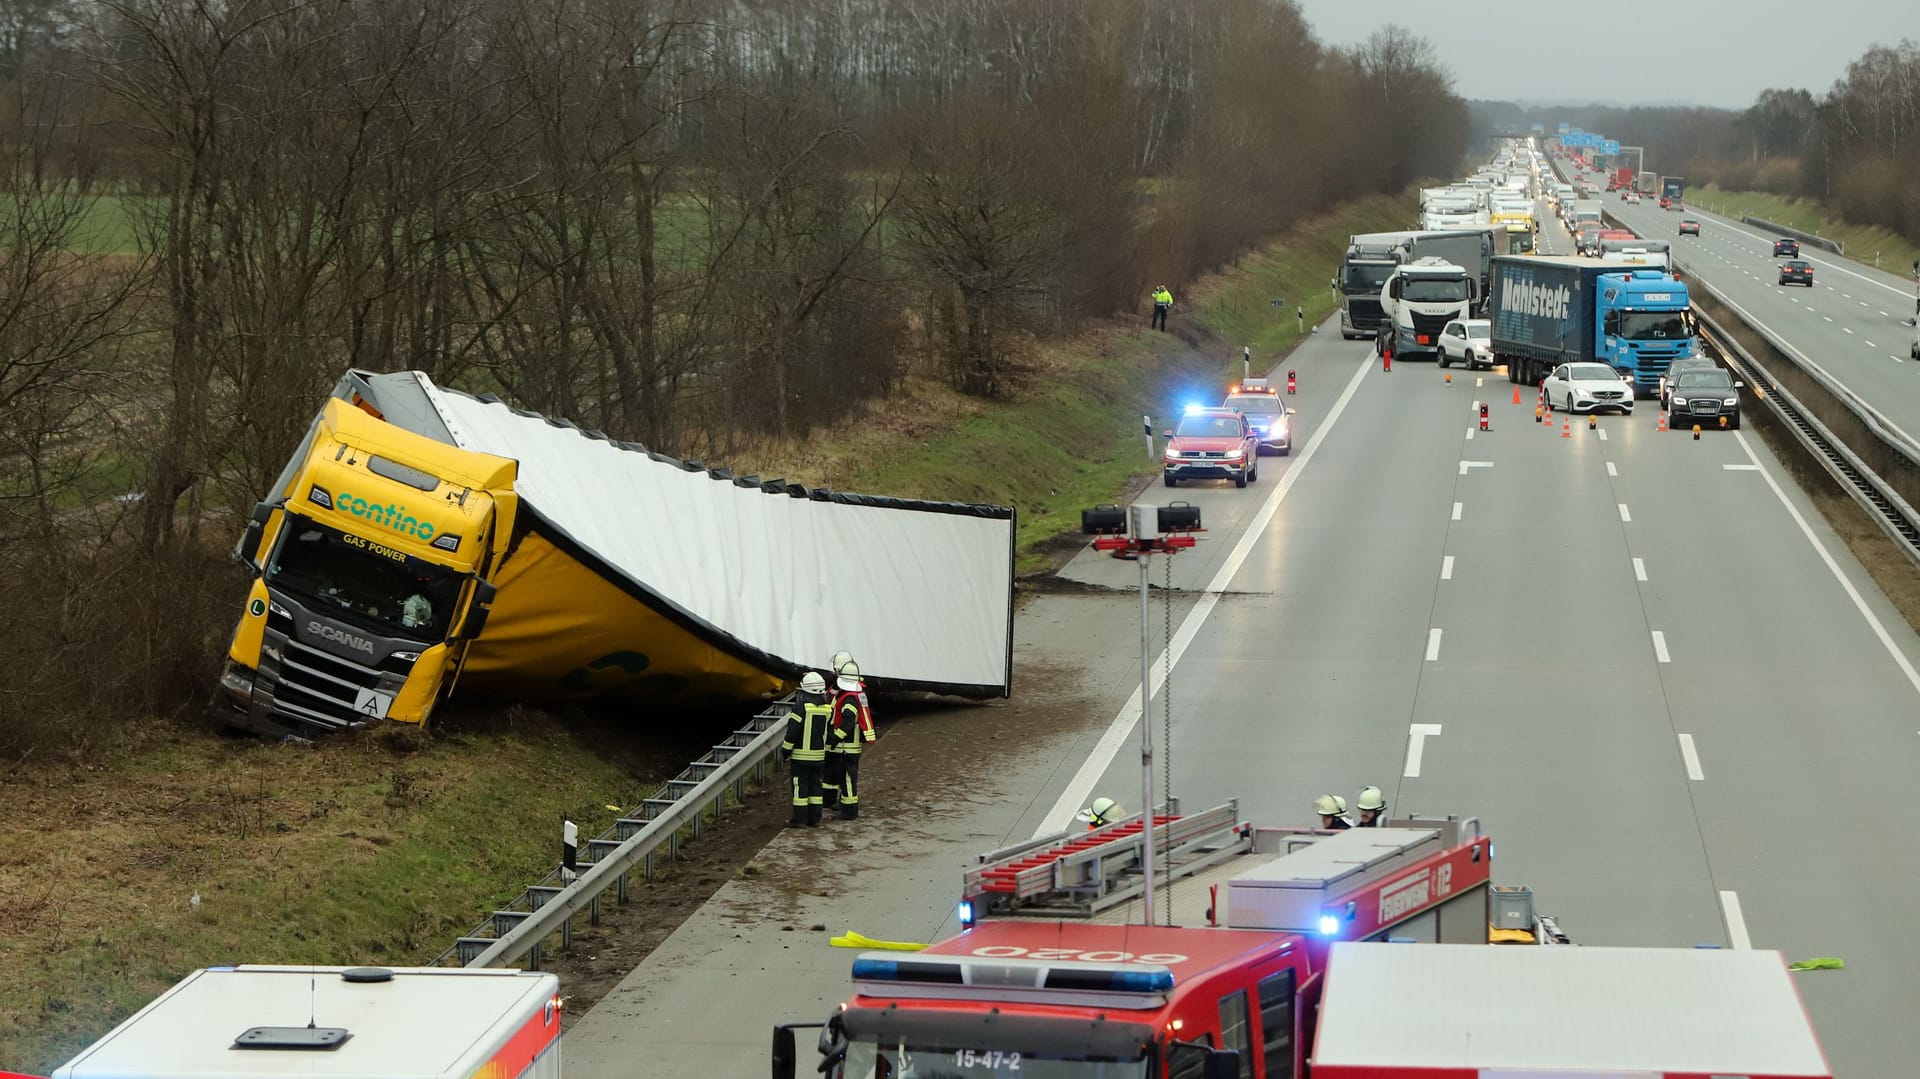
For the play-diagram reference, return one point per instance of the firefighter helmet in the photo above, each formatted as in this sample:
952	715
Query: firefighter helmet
841	659
849	679
813	682
1371	799
1102	811
1328	805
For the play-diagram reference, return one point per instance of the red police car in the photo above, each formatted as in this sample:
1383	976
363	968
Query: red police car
1211	443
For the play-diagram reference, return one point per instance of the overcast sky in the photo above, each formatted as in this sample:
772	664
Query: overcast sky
1699	52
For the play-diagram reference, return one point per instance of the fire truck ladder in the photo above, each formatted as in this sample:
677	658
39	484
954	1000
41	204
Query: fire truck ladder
1079	874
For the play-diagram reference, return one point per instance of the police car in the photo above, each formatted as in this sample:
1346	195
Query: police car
1271	421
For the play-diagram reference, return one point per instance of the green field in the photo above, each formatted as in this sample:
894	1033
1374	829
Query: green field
1895	253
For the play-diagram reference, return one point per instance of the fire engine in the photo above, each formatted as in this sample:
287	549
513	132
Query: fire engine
270	1022
1357	954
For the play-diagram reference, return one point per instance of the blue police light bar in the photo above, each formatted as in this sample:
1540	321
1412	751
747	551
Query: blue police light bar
1329	926
942	970
1193	407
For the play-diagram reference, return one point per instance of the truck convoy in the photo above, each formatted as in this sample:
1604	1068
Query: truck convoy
1548	311
1372	258
1418	300
421	536
267	1022
1296	954
1672	188
1650	254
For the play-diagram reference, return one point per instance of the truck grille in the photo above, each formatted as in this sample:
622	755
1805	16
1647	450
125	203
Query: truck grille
1430	325
1364	314
318	687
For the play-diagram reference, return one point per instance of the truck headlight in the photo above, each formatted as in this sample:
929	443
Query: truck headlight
237	681
270	648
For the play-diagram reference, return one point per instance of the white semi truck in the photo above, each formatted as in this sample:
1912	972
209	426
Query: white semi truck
1419	299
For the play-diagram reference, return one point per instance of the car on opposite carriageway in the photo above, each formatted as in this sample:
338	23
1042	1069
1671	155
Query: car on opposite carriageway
1787	246
1211	443
1703	397
1796	272
1259	402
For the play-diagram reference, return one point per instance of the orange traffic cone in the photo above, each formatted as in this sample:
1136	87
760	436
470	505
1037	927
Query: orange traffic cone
1663	421
1516	393
1566	428
1539	414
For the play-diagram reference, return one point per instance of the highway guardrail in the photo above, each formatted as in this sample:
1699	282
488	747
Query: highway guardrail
1834	246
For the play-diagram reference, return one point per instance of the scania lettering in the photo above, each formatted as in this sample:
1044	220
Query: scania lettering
412	518
1554	310
1291	954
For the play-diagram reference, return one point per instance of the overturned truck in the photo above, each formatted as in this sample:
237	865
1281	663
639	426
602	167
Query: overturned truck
422	537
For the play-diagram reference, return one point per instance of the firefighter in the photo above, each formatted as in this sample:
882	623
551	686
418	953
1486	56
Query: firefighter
805	747
831	775
1333	812
852	730
1100	813
1372	806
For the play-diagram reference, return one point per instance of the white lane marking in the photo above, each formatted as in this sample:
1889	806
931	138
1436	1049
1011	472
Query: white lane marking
1117	732
1829	318
1639	570
1660	647
1612	471
1736	924
1433	644
1603	433
1849	329
1417	735
1625	517
1859	604
1446	568
1883	314
1894	358
1477	383
1741	468
1469	439
1870	344
1464	465
1457	507
1863	303
1692	757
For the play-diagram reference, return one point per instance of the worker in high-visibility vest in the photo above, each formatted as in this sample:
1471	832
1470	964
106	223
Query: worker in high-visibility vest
852	731
1162	303
805	747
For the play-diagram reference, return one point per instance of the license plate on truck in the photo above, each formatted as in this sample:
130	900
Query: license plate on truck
371	704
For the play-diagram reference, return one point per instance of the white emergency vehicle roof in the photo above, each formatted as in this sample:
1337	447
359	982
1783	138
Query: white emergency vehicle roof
1569	1010
424	1024
921	593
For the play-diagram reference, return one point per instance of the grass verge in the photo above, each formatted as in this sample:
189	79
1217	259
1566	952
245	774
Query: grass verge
1070	437
1896	253
369	849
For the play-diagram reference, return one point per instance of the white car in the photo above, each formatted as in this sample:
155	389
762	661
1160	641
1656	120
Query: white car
1588	387
1468	341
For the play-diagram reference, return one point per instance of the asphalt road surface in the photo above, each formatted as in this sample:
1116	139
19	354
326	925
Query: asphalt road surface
1682	709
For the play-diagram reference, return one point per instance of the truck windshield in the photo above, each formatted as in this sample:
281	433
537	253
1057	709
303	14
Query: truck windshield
895	1060
1365	278
1656	325
1431	290
375	586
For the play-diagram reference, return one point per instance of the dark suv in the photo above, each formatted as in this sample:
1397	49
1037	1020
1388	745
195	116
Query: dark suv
1788	247
1703	397
1796	272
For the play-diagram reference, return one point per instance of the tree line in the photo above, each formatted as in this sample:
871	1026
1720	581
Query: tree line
692	223
1854	147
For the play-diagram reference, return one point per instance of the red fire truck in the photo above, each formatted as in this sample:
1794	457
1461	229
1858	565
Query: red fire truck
262	1022
1356	954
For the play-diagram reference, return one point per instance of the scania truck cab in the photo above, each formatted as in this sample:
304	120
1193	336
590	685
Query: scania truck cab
370	566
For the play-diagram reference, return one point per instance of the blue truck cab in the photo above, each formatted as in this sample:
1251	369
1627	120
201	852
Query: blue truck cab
1646	323
1550	310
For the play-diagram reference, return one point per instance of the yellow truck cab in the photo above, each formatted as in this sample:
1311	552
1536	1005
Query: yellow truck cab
371	566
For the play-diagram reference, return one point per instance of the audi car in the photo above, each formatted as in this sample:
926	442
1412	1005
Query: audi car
1702	398
1681	367
1796	272
1588	387
1689	227
1211	444
1271	421
1788	247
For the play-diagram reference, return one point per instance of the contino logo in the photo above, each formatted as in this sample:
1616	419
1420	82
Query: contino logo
392	515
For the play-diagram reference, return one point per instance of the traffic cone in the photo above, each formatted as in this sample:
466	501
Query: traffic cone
1663	421
1566	428
1516	393
1539	414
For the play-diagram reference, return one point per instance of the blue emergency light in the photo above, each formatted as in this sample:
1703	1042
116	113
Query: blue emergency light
1068	975
966	914
1329	926
1194	407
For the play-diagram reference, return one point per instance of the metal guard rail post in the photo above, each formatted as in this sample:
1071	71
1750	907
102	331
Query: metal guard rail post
610	870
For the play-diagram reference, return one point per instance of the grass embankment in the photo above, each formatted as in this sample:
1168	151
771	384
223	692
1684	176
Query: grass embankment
1070	436
1896	252
355	851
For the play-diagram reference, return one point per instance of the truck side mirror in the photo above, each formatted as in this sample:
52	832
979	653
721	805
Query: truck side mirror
785	1055
477	612
1222	1064
256	528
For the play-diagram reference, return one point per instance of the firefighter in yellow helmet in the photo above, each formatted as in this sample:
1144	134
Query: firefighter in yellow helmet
1100	813
1333	812
851	731
1373	808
